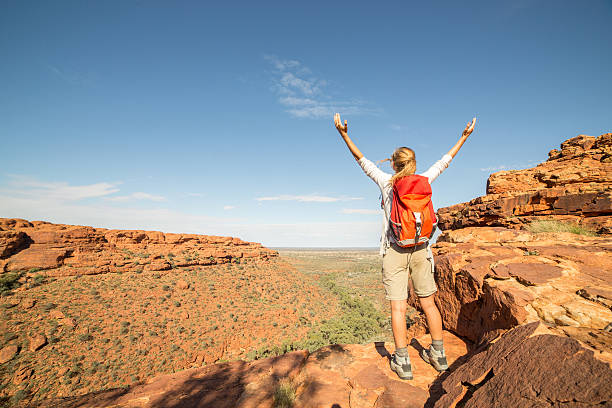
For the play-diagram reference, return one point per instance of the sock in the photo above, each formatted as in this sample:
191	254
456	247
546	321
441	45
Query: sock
401	352
437	345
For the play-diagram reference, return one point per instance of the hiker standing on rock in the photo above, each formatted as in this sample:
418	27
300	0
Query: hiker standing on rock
409	224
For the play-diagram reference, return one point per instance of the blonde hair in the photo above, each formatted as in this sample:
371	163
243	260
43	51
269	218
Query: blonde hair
404	162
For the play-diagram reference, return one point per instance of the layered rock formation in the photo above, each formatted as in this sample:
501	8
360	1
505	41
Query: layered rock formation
574	184
493	278
539	304
62	250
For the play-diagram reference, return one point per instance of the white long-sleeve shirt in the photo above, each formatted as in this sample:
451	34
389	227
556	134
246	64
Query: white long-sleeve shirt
382	180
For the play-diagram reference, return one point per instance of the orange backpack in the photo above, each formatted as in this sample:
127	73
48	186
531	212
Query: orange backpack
412	220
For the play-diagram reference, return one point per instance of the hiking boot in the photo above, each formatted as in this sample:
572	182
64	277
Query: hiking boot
401	366
436	358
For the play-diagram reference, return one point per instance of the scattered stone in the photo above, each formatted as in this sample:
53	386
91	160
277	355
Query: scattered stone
28	303
185	315
22	374
182	284
37	342
7	353
68	322
11	303
158	265
57	314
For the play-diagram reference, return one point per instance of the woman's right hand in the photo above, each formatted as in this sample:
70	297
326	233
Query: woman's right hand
342	129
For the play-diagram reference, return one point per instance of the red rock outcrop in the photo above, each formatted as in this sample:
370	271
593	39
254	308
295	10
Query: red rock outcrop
528	366
574	184
493	278
62	250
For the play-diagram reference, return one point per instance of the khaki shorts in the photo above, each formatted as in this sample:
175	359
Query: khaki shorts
399	262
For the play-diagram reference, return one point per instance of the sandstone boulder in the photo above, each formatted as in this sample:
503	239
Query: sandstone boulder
8	352
12	242
37	341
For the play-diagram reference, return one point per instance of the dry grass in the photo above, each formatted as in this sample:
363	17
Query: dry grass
559	226
284	396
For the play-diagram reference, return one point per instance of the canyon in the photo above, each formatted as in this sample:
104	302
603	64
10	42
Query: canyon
525	290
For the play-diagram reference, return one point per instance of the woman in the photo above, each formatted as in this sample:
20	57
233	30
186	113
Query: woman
399	262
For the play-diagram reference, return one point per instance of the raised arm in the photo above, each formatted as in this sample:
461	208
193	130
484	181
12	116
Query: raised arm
438	167
343	130
466	132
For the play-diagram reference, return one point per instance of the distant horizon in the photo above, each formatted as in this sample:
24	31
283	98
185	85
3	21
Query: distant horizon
213	119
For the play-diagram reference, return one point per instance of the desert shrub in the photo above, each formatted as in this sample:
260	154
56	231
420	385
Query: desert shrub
85	337
48	306
559	226
38	280
19	396
8	282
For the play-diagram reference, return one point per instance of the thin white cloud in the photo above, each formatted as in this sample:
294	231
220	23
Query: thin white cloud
138	196
229	207
494	168
73	77
516	166
312	234
395	127
307	198
305	96
195	194
359	211
24	186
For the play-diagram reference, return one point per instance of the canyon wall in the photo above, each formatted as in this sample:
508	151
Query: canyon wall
63	250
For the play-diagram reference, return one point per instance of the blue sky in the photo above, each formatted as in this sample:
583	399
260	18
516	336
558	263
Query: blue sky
216	118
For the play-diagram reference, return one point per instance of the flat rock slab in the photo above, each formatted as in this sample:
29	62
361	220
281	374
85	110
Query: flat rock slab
359	375
528	367
533	273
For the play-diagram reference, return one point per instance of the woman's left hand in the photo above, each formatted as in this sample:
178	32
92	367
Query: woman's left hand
343	130
469	128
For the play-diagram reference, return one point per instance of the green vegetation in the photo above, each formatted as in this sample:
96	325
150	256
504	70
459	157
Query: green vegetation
359	322
559	226
8	282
